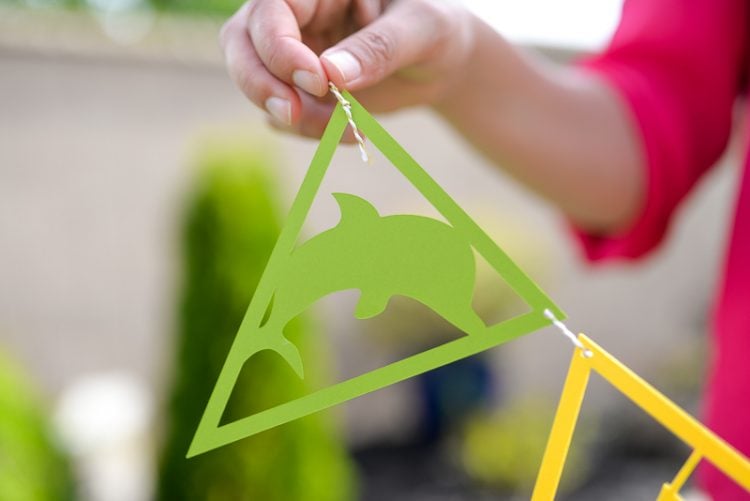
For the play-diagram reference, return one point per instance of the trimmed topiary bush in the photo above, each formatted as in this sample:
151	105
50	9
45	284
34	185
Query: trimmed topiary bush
230	228
32	468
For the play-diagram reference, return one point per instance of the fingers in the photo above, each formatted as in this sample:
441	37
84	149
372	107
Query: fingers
251	76
274	29
329	17
313	120
406	33
396	93
269	62
366	11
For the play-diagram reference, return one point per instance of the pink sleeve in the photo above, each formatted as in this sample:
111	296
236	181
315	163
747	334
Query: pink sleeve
678	66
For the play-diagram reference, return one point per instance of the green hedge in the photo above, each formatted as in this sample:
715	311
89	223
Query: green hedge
32	468
219	7
230	228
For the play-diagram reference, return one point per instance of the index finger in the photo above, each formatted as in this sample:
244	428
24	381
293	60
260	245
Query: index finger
274	30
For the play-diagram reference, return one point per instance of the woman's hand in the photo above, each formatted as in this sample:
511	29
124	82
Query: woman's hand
562	132
283	53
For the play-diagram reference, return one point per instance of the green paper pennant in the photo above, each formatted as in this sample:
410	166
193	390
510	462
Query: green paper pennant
414	256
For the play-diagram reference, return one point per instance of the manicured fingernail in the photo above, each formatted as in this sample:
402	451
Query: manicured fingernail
346	63
309	82
280	109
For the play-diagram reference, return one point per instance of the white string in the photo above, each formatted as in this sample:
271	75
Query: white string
568	333
347	106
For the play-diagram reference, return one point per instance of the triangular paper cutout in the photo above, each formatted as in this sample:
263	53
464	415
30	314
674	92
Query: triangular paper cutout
250	340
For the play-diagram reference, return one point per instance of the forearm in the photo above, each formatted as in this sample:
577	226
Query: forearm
560	131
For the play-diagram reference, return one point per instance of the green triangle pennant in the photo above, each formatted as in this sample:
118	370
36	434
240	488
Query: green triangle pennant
414	256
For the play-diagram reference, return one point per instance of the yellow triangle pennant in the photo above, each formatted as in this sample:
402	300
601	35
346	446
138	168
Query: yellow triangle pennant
705	444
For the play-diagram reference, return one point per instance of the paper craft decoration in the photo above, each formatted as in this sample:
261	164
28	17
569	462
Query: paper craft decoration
422	258
705	443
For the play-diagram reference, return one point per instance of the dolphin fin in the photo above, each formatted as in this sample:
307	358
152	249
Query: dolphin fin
355	209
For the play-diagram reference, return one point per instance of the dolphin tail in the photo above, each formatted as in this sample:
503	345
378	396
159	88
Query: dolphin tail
290	353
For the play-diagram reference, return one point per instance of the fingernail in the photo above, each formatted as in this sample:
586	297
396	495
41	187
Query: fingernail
346	63
280	109
308	81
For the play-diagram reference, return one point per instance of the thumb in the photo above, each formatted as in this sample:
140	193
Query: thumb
405	34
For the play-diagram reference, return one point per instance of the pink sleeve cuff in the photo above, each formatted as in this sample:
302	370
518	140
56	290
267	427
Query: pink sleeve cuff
660	133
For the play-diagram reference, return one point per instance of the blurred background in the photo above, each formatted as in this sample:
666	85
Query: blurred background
140	196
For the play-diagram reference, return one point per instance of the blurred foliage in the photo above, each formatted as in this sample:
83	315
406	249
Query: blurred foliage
222	7
208	7
32	468
504	449
231	227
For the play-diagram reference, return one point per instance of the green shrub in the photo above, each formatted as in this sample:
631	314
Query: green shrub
230	229
32	468
213	7
504	449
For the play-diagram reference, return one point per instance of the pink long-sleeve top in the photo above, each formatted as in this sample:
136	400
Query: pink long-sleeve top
680	65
